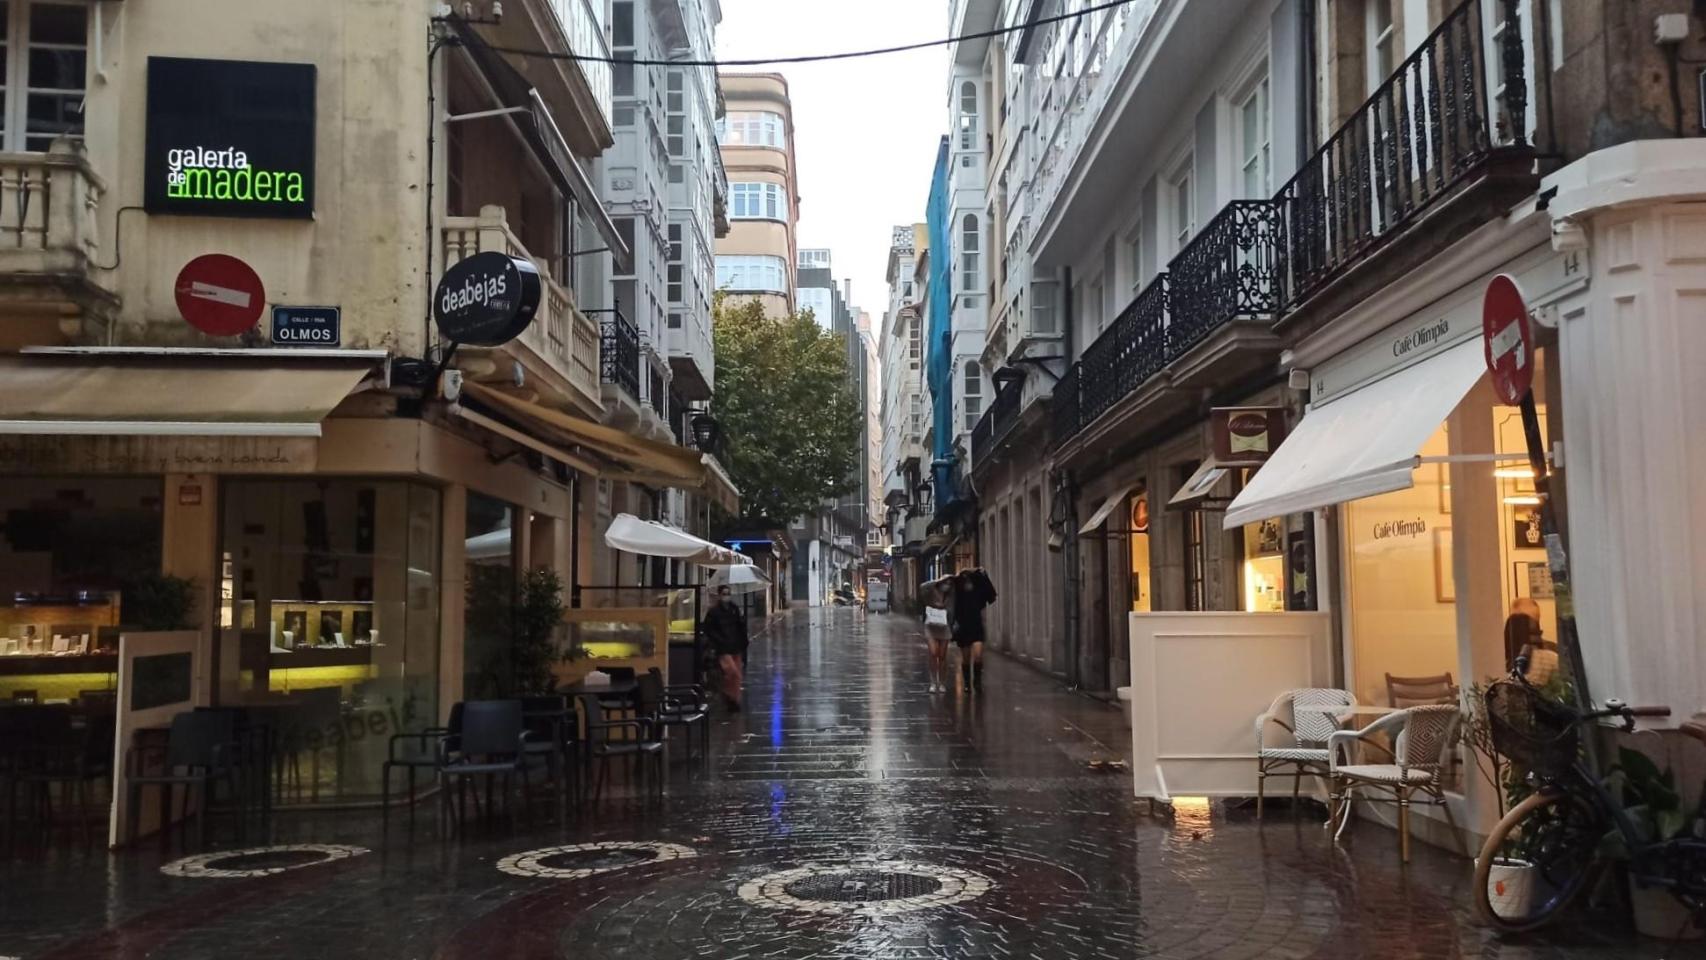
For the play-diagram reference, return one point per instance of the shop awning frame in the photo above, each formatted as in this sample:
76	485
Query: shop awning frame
1106	510
1197	492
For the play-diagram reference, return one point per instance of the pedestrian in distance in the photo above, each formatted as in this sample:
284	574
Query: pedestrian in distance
973	592
937	595
725	627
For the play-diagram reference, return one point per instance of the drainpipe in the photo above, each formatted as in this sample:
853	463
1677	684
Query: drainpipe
575	540
1064	489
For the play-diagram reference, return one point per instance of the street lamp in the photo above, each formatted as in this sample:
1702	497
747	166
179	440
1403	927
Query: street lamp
707	433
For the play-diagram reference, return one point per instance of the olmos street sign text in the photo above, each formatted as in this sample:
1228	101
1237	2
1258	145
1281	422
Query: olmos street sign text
486	300
230	138
306	326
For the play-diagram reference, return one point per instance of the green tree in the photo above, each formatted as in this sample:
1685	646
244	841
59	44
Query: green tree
789	416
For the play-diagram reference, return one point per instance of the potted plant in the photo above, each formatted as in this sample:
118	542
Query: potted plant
1653	802
535	625
1513	875
158	602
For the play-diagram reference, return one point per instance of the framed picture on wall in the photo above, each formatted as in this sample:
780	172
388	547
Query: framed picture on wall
1525	529
1533	580
1268	538
1445	586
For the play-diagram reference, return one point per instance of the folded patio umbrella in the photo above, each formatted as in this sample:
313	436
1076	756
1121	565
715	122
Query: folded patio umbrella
630	534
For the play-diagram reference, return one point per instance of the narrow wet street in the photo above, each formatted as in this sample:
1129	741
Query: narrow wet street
845	813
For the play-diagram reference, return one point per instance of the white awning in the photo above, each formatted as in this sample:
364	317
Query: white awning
649	538
1363	443
1201	486
1108	507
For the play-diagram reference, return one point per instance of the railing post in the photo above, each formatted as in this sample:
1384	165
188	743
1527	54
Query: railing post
1516	82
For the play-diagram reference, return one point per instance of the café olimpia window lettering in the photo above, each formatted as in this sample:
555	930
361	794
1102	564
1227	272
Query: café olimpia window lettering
230	138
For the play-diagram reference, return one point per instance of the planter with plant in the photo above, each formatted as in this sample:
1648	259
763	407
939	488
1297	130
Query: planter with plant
537	625
157	603
1654	804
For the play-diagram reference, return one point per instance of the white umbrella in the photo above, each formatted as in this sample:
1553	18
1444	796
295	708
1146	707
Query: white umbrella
739	579
649	538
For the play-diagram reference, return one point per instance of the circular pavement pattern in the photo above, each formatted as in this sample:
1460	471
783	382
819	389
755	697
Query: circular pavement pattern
259	861
877	888
577	860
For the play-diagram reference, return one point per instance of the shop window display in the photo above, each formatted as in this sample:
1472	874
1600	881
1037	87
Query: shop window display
330	619
1142	584
490	598
79	557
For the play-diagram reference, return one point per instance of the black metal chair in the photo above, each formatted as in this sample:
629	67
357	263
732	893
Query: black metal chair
645	743
203	746
552	727
420	751
677	705
492	746
72	749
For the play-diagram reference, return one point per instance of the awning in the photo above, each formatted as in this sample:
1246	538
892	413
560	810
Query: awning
1363	443
1106	509
649	538
517	93
160	394
1202	486
637	460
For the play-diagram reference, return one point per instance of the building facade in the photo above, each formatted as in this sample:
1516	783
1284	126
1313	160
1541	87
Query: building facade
221	375
757	259
905	413
1245	254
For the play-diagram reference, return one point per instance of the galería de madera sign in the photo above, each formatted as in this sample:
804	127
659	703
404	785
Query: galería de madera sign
230	138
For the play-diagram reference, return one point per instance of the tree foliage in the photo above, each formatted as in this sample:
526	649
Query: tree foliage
788	413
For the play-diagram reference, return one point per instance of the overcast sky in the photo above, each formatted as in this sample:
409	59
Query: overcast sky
866	129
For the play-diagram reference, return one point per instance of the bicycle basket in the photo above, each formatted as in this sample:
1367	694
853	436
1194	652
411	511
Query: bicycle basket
1530	731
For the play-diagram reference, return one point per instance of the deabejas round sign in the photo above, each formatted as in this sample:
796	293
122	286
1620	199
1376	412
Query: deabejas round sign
486	300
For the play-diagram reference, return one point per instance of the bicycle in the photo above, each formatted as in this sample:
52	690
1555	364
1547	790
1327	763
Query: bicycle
1546	850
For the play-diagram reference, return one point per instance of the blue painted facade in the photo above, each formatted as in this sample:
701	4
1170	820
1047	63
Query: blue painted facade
939	337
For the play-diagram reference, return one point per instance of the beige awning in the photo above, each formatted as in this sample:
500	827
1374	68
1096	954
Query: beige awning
1106	509
166	394
637	460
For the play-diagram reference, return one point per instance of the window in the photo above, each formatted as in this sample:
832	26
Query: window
751	128
622	23
748	273
625	230
622	75
757	201
1255	143
968	115
970	238
1134	259
1196	550
1382	42
674	101
675	125
1183	209
1043	312
973	394
914	346
624	117
43	55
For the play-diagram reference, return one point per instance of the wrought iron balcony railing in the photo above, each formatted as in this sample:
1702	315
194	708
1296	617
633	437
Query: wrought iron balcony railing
619	360
996	422
1130	351
1063	413
1227	272
1458	101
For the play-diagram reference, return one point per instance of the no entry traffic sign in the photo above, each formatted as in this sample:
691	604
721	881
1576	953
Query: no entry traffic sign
220	295
1508	340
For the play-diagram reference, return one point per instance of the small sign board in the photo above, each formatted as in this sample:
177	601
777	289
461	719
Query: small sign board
1508	339
487	299
1246	436
219	295
306	326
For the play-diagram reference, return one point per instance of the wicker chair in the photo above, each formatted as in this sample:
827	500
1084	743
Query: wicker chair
1402	692
1291	737
1422	741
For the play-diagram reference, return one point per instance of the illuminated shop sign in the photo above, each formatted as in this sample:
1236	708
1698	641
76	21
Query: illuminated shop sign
231	138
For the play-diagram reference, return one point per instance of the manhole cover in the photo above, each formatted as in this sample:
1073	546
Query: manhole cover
865	889
862	886
259	861
578	860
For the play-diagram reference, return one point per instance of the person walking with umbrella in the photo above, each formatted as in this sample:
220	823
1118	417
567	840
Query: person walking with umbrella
725	627
972	592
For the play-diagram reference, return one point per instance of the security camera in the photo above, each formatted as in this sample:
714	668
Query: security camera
497	10
450	385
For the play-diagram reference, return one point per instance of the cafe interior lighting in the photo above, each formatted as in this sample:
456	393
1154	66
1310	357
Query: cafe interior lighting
1514	473
1523	500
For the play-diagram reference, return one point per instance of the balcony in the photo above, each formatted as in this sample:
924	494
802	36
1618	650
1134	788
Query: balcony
49	245
996	423
561	346
619	355
1436	136
690	357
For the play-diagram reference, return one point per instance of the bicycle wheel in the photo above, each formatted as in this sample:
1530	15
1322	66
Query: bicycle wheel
1537	859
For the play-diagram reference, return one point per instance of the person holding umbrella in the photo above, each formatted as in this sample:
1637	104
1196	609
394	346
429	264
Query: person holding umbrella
725	627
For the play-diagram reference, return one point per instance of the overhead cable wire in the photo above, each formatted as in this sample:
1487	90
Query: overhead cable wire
813	58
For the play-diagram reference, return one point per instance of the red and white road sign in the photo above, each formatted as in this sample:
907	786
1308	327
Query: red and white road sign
1508	339
220	295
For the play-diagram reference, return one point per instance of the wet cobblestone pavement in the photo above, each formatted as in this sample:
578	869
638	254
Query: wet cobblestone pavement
847	813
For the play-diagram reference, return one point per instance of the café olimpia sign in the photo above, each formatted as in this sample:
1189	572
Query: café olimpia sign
232	138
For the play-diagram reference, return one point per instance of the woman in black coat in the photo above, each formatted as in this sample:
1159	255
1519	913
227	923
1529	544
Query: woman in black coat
725	627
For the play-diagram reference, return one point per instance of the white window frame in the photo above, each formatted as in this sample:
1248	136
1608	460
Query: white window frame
1181	181
17	93
971	375
968	117
757	200
1257	155
971	253
751	273
751	128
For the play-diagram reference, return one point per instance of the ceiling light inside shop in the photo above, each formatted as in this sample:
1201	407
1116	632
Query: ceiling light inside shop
1514	473
1523	501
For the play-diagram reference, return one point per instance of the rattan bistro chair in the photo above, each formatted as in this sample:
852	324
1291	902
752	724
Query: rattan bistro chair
1422	741
1291	737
